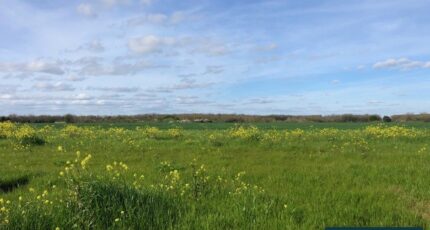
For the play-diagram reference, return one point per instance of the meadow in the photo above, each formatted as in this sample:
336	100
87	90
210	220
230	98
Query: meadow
275	175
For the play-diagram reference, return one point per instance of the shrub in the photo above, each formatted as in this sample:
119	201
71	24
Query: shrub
174	133
247	133
6	129
387	119
75	131
152	132
26	136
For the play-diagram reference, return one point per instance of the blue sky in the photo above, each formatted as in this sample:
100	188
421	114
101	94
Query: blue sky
199	56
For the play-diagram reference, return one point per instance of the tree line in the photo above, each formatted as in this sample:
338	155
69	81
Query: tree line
235	118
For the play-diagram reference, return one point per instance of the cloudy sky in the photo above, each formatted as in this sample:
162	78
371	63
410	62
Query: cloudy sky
201	56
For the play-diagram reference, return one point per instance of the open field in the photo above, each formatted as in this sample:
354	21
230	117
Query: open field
214	176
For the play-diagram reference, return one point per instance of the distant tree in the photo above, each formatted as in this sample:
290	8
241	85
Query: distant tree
69	118
349	118
387	119
374	118
170	118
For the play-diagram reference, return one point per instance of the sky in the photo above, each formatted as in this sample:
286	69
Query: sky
108	57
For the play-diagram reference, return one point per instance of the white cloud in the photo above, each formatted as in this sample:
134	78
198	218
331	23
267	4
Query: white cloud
43	78
401	63
260	101
6	96
7	88
86	10
115	89
59	86
94	68
150	44
211	48
20	76
35	66
158	19
191	100
44	67
184	84
82	96
75	78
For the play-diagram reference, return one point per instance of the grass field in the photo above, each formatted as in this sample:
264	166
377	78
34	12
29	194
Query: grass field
214	176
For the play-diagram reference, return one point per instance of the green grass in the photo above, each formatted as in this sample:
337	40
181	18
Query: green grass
310	181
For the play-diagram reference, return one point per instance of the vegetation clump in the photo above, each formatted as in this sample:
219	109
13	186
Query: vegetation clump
387	119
